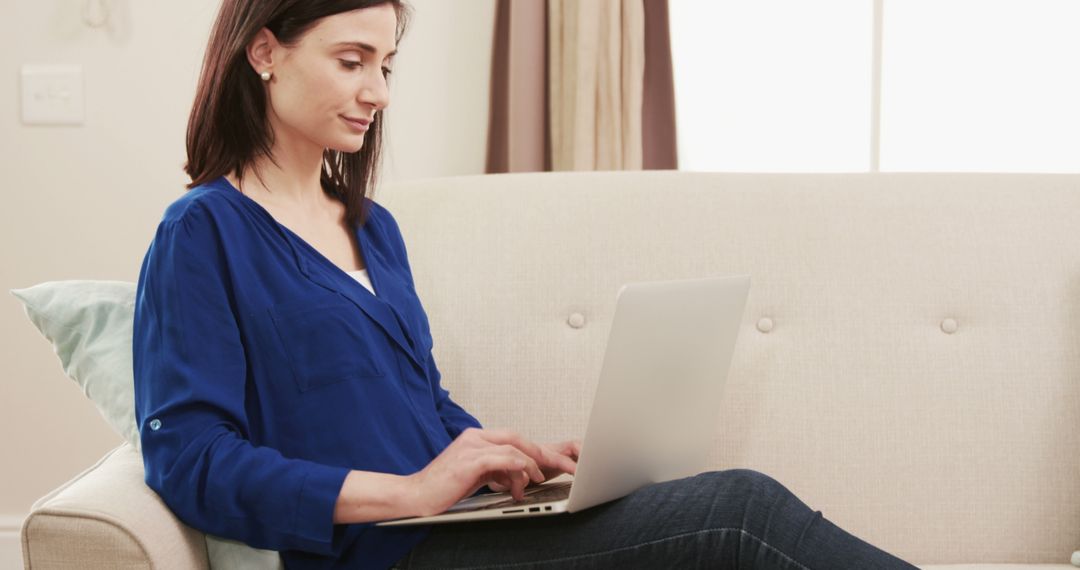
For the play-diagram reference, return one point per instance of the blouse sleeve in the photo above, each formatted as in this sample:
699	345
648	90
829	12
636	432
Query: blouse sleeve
190	373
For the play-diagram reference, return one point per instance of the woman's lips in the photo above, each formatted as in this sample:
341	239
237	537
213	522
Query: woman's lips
357	124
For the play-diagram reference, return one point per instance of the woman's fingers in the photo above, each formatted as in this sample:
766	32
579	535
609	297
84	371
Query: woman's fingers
501	459
483	468
507	466
520	480
570	448
499	482
489	462
531	467
480	438
507	437
560	459
574	447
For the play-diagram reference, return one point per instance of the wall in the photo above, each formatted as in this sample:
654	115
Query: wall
82	202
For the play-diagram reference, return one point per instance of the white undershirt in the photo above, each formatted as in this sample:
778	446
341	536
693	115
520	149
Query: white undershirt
362	276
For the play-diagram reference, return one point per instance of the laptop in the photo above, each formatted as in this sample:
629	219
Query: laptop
656	406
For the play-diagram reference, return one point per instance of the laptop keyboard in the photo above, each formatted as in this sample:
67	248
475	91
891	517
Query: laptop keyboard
545	493
539	494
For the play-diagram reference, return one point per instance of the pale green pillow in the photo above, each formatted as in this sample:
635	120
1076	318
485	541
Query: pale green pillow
89	324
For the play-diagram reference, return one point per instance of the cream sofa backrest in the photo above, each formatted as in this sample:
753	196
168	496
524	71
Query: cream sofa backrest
909	358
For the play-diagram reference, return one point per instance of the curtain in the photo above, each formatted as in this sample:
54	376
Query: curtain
581	85
597	65
660	151
518	136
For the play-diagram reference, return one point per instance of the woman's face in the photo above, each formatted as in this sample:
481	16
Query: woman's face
333	74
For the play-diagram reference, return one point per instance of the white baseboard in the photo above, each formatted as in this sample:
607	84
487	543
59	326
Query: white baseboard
10	545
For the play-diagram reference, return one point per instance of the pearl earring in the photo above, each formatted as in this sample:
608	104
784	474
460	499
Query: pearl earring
265	75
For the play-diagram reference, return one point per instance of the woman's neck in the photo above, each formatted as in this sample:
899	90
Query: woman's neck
295	179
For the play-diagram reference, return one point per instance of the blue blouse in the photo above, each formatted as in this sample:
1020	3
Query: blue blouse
264	373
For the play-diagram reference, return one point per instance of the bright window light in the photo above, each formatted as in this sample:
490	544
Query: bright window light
980	85
772	85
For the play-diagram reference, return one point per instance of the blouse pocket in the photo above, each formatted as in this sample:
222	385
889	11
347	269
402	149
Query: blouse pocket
325	344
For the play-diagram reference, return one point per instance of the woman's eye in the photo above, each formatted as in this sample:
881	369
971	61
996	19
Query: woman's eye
349	64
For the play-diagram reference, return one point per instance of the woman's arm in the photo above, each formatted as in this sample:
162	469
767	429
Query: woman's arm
368	496
190	372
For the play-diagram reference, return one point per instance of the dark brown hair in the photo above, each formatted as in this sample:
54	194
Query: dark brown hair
228	127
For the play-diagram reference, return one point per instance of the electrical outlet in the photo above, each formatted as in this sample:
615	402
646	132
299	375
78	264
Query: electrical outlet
52	95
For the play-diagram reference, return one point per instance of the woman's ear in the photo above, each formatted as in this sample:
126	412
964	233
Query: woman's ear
260	52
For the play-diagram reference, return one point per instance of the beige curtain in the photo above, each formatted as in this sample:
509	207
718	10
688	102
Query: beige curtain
596	63
581	85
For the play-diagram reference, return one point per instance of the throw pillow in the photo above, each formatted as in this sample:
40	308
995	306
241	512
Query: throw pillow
89	324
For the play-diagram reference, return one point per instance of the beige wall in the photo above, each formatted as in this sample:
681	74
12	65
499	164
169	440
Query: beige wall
82	202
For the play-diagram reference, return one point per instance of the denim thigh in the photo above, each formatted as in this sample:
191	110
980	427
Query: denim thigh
732	519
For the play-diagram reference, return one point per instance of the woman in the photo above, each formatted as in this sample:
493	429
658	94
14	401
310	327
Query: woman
286	392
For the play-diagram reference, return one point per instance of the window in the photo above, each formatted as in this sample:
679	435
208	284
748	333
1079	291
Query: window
979	85
788	85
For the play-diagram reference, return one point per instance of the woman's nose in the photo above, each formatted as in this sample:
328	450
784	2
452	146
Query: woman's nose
376	93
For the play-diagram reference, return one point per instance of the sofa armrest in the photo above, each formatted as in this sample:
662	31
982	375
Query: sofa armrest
107	518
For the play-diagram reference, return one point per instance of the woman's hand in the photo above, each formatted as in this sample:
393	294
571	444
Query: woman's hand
571	449
476	458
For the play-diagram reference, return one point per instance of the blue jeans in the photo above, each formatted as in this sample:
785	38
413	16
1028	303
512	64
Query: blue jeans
733	519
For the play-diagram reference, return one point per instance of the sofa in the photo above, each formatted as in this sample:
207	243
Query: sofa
908	361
